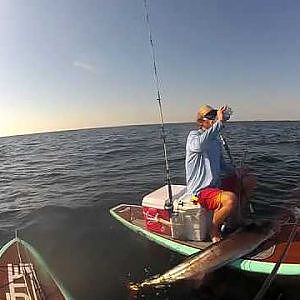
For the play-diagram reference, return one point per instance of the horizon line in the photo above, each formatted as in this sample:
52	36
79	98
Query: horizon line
128	125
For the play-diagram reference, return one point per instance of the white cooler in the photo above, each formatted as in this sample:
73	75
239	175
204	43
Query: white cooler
187	222
190	221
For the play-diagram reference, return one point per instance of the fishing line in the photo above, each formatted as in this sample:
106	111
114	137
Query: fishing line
273	274
251	207
169	202
25	272
22	265
34	277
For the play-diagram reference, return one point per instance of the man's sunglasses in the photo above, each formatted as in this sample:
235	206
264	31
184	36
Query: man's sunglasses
211	115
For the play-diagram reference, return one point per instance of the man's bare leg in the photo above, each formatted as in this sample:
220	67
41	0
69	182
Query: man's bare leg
227	207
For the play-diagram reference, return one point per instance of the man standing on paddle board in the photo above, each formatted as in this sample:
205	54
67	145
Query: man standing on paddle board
205	164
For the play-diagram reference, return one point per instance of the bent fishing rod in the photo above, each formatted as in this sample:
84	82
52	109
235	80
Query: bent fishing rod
169	202
242	162
226	147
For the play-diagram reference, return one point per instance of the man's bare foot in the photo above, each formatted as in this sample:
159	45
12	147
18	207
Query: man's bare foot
216	239
215	234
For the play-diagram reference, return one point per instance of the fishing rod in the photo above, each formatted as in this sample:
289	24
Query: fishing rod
169	202
226	147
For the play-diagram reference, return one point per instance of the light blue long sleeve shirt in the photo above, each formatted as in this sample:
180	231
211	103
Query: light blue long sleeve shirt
204	161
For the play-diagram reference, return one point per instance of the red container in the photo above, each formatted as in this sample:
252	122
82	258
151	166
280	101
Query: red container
157	218
151	214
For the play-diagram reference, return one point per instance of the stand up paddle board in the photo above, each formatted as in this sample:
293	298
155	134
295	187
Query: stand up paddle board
261	261
25	276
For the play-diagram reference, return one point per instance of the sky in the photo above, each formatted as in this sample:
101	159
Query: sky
72	64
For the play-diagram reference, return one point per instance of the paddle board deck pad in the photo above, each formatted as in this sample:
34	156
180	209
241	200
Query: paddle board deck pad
25	276
261	261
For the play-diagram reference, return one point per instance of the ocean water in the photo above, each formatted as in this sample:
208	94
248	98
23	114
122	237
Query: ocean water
57	189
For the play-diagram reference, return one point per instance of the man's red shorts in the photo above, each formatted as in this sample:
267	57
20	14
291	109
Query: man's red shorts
210	198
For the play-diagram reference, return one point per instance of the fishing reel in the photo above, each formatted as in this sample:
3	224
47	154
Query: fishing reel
169	205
